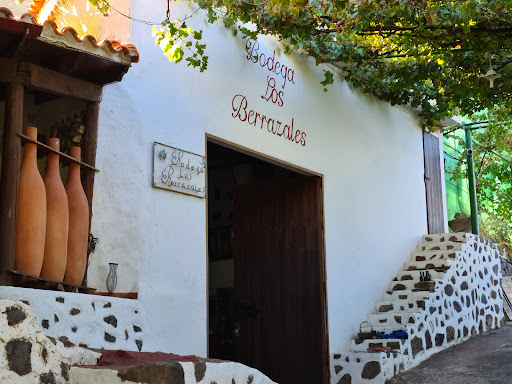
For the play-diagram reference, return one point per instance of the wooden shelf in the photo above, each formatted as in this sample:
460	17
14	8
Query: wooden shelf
29	281
47	149
122	295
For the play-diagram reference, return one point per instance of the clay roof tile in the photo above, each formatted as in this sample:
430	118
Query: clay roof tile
69	36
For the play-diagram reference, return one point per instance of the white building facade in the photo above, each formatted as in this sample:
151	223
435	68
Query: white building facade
258	123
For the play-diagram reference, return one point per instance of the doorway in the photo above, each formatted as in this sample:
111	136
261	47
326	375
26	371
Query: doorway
433	184
266	266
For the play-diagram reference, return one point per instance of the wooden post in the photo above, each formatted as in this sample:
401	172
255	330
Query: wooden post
89	157
10	178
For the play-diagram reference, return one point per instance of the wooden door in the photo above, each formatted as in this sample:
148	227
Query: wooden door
279	280
433	184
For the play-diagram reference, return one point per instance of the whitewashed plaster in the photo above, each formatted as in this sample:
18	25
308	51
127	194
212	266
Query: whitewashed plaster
369	153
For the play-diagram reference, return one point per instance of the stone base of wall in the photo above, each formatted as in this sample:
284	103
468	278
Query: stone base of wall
28	356
172	372
85	320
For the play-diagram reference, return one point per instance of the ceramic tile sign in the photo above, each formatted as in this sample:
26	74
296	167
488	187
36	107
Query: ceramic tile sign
178	170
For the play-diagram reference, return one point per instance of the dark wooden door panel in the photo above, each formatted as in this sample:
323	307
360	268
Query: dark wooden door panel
279	278
433	184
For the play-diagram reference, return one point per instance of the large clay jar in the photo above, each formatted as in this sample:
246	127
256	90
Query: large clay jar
78	235
31	213
57	219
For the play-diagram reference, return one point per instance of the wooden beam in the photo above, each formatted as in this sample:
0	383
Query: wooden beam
8	70
89	157
64	158
89	150
10	177
54	82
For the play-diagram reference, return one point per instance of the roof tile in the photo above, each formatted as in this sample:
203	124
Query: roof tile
111	49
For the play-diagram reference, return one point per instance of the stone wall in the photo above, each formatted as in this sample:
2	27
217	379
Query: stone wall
172	372
27	355
466	301
506	266
85	320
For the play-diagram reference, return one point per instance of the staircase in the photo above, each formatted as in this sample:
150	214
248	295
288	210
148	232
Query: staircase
463	299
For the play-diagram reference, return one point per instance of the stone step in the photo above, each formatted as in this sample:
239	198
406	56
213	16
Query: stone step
414	276
410	306
427	264
444	246
389	328
432	255
459	237
395	344
392	319
406	295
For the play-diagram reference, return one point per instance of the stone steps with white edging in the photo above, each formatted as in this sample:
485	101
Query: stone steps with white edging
383	328
414	276
445	237
392	319
405	295
435	318
394	344
407	285
442	246
433	255
383	306
427	264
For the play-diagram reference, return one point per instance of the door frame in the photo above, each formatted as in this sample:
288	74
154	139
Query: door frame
322	259
434	197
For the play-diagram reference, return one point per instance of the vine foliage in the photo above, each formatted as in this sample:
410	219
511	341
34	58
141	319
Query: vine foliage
430	54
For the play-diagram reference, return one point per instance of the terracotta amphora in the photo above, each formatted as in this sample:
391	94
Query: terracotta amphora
78	235
31	212
57	219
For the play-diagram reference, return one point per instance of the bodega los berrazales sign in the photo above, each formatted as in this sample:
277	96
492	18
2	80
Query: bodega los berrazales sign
278	76
177	170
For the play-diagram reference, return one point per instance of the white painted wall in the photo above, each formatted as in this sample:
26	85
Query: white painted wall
370	154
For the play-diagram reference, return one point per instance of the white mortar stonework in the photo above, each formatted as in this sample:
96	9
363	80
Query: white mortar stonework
182	373
85	320
27	355
466	301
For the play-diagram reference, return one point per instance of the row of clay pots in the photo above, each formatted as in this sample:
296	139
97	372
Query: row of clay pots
52	225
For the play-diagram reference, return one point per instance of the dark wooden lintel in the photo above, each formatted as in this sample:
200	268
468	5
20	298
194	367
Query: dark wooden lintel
54	82
47	80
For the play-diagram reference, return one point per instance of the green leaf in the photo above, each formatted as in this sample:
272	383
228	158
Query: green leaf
328	79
